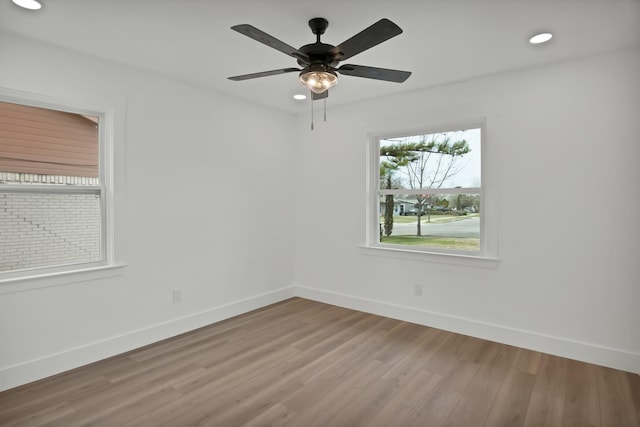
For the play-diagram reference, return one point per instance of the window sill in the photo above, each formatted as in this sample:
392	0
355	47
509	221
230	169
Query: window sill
60	278
441	258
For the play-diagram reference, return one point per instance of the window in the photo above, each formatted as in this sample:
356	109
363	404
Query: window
53	190
426	191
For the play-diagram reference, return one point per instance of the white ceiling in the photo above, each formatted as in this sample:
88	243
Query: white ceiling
443	40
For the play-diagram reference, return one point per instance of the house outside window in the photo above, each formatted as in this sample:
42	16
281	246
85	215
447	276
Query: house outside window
53	190
426	191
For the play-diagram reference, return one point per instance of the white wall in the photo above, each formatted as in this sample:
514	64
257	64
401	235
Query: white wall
192	169
562	169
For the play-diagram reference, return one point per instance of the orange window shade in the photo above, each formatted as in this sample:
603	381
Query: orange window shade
47	142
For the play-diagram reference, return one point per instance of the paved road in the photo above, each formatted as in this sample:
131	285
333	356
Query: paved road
464	228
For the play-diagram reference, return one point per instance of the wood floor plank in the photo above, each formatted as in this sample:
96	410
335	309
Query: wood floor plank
121	414
401	405
277	415
616	400
545	410
634	385
479	397
260	404
44	416
336	358
511	403
581	401
303	363
437	407
361	402
552	375
527	361
42	397
328	396
546	405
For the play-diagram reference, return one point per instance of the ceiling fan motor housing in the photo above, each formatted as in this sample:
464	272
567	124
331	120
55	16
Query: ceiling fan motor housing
319	53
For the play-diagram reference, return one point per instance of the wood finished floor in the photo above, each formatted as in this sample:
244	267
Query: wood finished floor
303	363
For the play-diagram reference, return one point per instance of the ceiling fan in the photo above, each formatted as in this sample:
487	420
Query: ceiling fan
319	61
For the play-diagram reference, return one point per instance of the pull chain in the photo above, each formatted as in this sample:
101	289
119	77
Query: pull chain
325	109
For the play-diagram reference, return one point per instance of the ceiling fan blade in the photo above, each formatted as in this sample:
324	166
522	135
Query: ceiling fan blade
317	96
262	37
382	30
263	74
374	73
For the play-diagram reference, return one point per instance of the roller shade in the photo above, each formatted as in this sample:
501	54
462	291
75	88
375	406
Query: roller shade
48	142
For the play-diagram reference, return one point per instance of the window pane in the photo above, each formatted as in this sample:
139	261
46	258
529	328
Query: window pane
437	160
49	229
44	146
443	221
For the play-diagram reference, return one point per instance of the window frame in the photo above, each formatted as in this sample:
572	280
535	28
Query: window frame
106	124
486	256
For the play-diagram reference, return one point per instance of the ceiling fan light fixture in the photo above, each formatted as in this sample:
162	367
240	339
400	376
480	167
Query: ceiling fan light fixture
318	79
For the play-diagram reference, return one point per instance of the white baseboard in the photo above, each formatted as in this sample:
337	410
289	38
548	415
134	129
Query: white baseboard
33	370
610	357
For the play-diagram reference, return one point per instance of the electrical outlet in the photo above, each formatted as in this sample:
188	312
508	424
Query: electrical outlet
177	296
417	289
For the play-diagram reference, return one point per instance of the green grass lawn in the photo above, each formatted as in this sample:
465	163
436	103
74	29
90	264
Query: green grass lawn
456	243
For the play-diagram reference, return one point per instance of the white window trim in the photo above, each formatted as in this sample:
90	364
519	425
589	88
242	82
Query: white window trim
32	278
65	277
486	257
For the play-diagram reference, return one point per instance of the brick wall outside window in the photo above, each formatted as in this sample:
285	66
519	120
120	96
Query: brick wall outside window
39	229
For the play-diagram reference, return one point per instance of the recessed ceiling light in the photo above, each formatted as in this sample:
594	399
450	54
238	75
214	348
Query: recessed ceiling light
28	4
540	38
299	96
